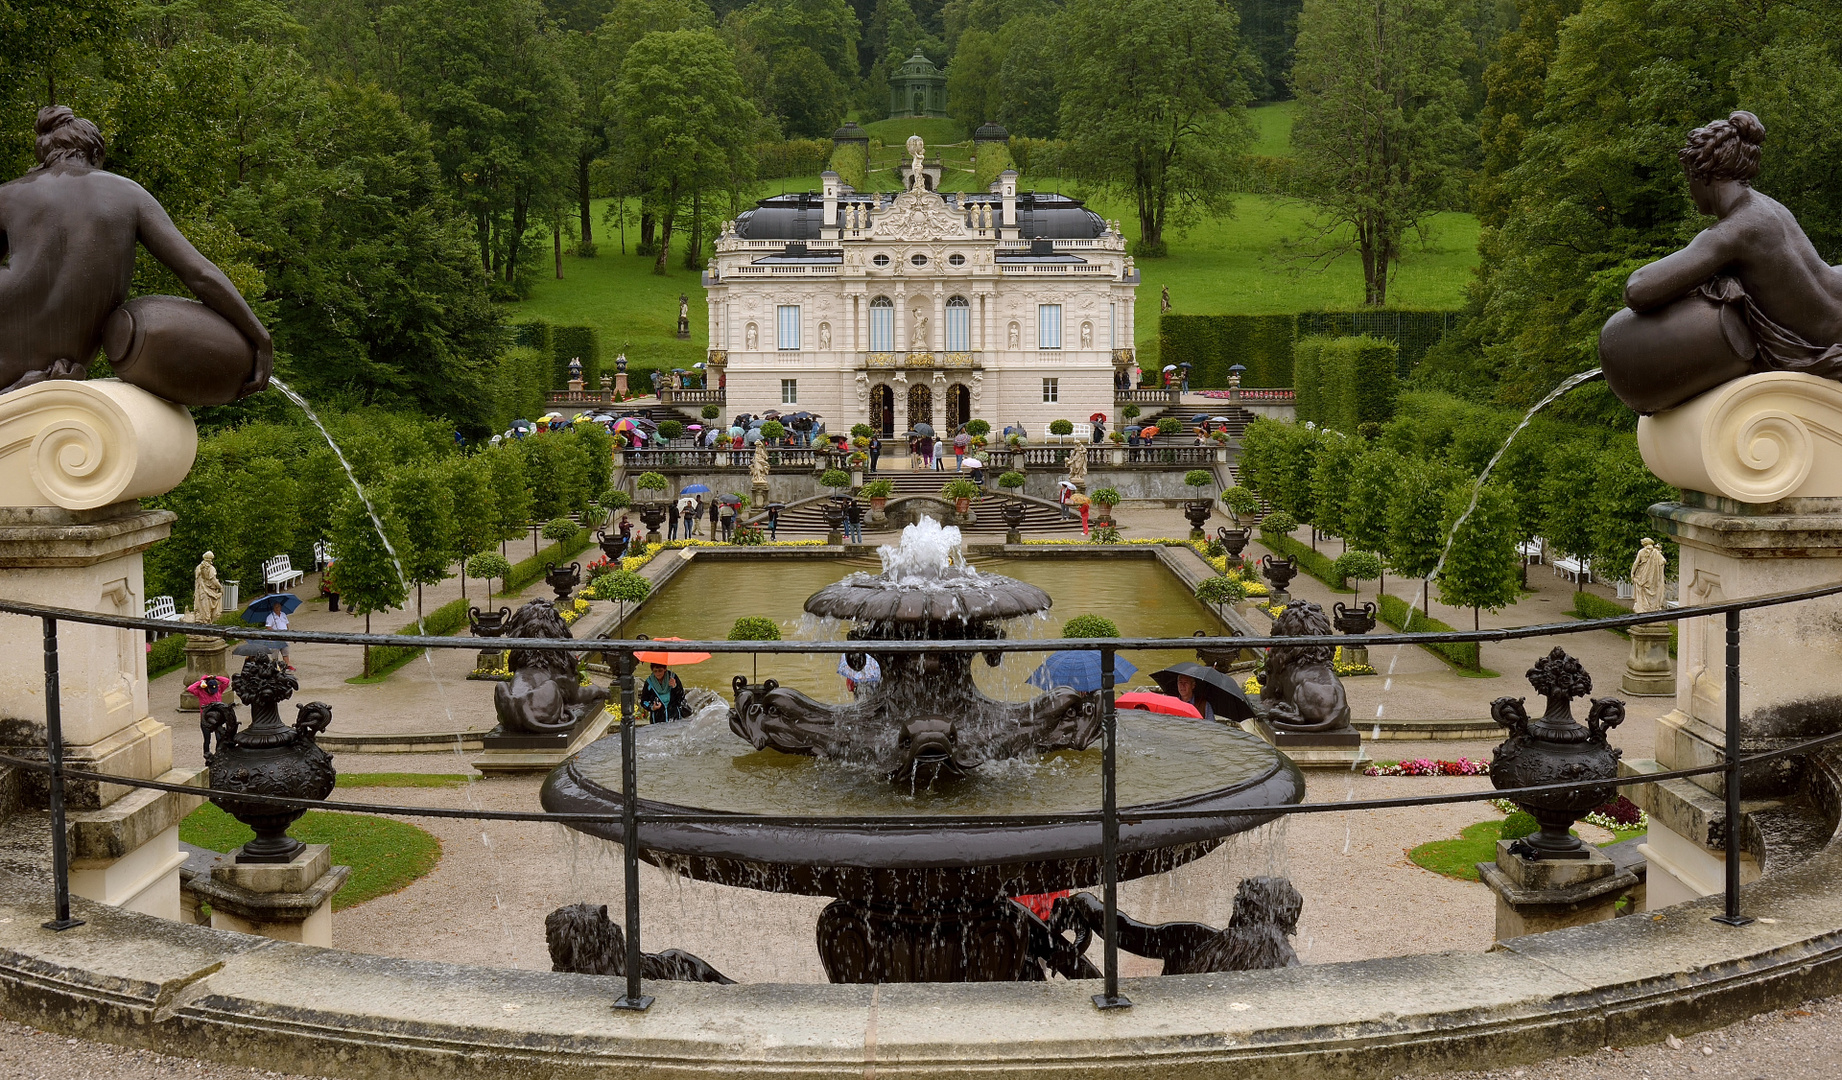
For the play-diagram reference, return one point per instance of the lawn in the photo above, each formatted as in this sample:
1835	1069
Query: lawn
1272	129
385	855
1476	844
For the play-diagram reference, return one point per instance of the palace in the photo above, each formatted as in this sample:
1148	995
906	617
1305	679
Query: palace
892	309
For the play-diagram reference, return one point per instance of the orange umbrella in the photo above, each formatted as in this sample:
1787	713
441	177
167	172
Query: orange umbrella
659	657
1158	703
1148	432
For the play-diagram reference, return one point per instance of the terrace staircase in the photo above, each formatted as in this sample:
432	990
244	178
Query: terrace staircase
806	520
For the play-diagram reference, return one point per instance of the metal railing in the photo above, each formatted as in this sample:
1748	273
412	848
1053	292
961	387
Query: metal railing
1107	817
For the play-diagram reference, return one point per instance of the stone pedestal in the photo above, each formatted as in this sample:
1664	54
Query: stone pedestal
1311	749
758	496
1761	512
74	458
1356	655
1649	672
204	656
1534	895
508	754
620	384
291	901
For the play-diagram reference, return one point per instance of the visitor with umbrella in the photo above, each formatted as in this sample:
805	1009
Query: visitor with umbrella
876	449
773	518
717	507
1099	422
662	696
272	611
962	445
1210	692
1065	490
1078	669
976	471
671	517
853	520
859	671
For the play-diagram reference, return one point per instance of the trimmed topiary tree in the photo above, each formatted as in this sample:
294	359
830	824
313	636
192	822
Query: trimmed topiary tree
670	429
617	500
1240	502
755	628
1198	478
489	565
709	412
1358	566
1131	411
651	481
1011	480
978	429
1061	427
1169	425
773	429
1090	626
862	431
835	478
1222	590
1278	523
560	529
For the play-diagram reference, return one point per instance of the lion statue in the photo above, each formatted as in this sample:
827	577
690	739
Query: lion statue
1299	690
545	694
1266	911
583	940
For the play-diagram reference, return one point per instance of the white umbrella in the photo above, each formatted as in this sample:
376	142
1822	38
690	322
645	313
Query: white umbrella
1069	484
1170	367
974	463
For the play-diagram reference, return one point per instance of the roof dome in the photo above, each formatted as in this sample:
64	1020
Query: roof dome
991	131
850	132
917	65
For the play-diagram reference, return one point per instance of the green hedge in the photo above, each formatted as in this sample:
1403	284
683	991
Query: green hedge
1593	606
1413	332
560	344
793	157
520	377
1394	612
1211	344
1308	378
1038	157
1343	383
851	161
1315	563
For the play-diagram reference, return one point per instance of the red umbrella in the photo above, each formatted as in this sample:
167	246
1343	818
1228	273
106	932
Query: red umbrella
1158	703
684	657
1097	418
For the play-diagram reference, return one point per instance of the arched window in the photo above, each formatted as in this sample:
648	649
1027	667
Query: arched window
882	325
959	325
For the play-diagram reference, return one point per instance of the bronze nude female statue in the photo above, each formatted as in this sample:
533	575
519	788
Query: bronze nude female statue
68	230
1750	293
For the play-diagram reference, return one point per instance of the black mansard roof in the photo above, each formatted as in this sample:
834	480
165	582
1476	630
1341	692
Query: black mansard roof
1041	215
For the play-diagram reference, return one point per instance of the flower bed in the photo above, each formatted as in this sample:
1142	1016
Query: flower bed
1428	767
1621	815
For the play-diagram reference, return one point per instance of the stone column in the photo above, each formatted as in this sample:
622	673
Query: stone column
1649	672
77	456
902	318
938	342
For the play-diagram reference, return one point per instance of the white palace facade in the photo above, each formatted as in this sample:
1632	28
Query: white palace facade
890	309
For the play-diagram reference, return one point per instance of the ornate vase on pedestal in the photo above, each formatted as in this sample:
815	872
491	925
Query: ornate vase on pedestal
267	758
1554	748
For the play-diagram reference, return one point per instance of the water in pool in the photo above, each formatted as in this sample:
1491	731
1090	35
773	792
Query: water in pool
703	600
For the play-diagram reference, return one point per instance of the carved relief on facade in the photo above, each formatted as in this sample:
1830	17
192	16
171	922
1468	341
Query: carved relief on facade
751	338
824	335
1087	335
978	391
863	388
918	215
1016	335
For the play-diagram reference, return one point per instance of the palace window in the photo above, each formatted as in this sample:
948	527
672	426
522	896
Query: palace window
882	325
786	326
918	259
956	259
1048	326
959	325
1052	390
880	260
789	391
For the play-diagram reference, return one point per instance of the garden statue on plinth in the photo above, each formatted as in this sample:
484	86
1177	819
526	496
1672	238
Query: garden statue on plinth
70	229
545	696
575	373
204	656
758	475
1551	878
1266	911
1077	468
1649	671
266	758
1304	710
684	316
81	454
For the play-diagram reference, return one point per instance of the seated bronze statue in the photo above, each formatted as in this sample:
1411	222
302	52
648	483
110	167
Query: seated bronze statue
68	230
1750	293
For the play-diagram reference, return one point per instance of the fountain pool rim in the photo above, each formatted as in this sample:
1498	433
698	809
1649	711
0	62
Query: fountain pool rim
855	856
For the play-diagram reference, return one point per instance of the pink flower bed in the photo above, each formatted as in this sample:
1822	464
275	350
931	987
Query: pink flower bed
1429	767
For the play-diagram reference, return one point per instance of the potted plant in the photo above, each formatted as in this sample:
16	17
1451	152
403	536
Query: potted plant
962	491
1106	499
1116	453
1240	503
862	431
857	460
772	431
1197	508
878	492
1220	439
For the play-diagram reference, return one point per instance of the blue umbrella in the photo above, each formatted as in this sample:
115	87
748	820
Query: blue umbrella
735	431
1079	669
256	612
695	489
753	436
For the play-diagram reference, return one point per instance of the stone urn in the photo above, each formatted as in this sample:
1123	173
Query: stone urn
1234	541
1198	512
834	512
612	547
1555	748
1279	574
488	624
1012	511
1354	620
267	758
652	515
562	579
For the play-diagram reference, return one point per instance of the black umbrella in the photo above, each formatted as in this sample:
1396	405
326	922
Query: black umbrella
256	648
1219	690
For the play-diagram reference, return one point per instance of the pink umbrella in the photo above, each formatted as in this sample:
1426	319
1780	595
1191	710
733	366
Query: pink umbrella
1157	703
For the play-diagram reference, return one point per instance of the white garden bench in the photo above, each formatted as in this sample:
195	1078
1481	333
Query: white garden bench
323	554
1578	571
162	607
280	573
1530	550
